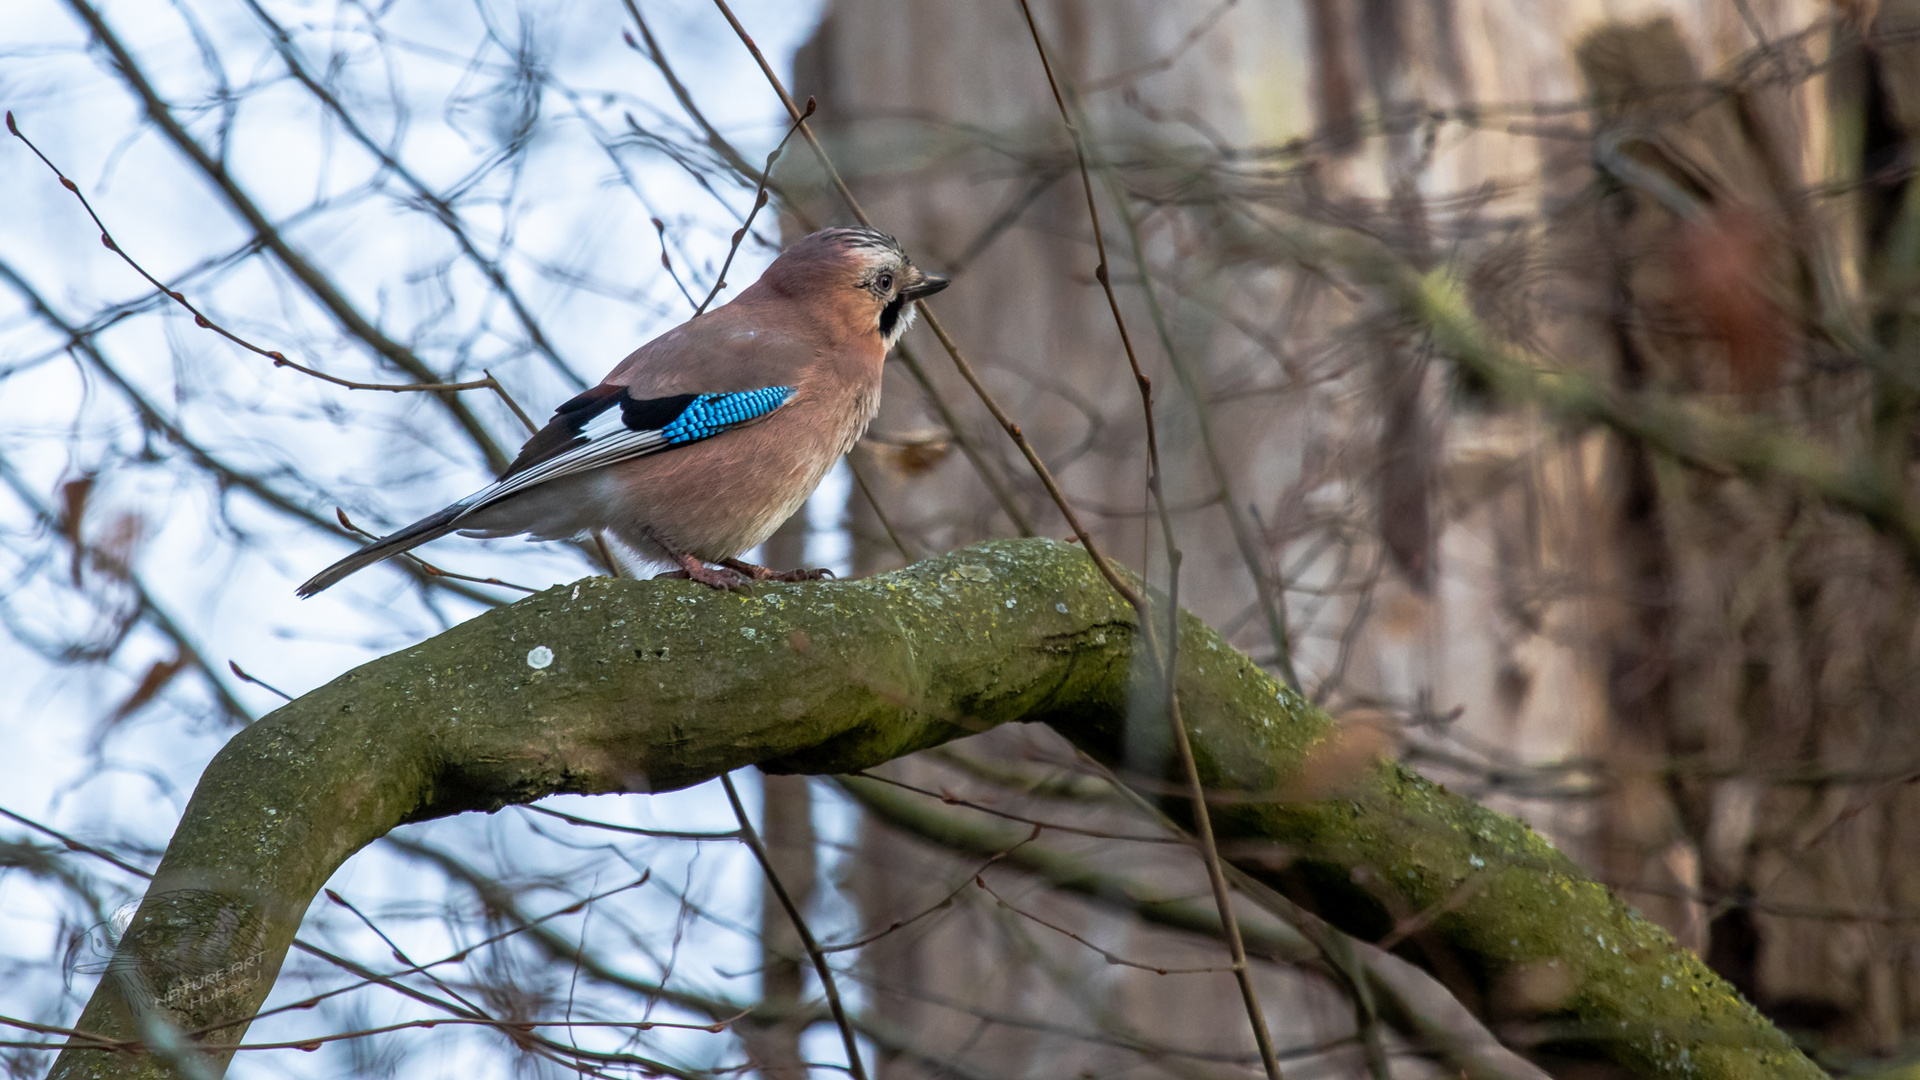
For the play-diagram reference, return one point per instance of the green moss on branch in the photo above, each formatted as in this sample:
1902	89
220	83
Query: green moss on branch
617	686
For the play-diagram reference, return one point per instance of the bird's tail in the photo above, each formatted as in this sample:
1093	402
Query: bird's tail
427	528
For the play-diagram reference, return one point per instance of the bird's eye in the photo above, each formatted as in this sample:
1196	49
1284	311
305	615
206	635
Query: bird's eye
884	282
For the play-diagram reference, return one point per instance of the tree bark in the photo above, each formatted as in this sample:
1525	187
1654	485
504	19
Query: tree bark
625	686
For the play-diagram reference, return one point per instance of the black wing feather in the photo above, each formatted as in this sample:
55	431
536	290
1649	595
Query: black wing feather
562	433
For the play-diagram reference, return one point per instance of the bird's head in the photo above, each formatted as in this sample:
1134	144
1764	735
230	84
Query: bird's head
862	273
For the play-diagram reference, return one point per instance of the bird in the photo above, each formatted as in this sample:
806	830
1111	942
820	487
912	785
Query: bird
701	442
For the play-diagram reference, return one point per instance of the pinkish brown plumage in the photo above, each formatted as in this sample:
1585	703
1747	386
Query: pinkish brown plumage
701	442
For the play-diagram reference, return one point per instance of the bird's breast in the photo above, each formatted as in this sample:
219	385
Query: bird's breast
860	411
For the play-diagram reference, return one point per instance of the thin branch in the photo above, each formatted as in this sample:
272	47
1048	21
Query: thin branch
759	202
201	319
635	830
81	341
442	209
367	975
400	954
310	277
666	260
149	608
518	412
72	844
800	927
1110	957
240	674
996	486
1203	824
1271	603
509	1027
1073	830
938	905
426	567
892	1038
879	513
1470	1052
459	956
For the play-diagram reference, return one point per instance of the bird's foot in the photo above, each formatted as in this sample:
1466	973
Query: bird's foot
695	570
761	573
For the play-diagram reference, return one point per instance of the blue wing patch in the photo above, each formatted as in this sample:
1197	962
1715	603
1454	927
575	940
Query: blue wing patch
710	414
590	433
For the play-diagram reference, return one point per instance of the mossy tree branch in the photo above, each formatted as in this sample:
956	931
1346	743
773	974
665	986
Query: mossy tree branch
623	686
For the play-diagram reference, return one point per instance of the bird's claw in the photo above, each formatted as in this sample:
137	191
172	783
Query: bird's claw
761	573
706	575
805	573
734	574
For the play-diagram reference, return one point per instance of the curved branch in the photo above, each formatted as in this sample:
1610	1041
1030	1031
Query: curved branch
622	686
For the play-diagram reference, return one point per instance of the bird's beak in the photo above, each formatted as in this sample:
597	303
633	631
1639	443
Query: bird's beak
923	285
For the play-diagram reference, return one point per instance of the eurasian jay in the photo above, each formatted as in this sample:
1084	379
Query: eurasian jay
699	444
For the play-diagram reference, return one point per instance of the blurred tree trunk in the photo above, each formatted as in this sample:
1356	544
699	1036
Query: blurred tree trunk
1521	595
902	88
1741	683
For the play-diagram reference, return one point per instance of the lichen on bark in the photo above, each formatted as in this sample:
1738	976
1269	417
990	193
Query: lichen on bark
622	686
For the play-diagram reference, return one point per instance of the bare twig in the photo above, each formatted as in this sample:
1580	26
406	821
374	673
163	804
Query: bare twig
426	567
400	954
519	413
442	209
938	905
1203	825
246	678
759	202
666	263
511	1027
367	975
310	277
1073	830
1110	957
634	830
149	608
879	513
200	318
894	1039
820	966
1271	603
226	474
